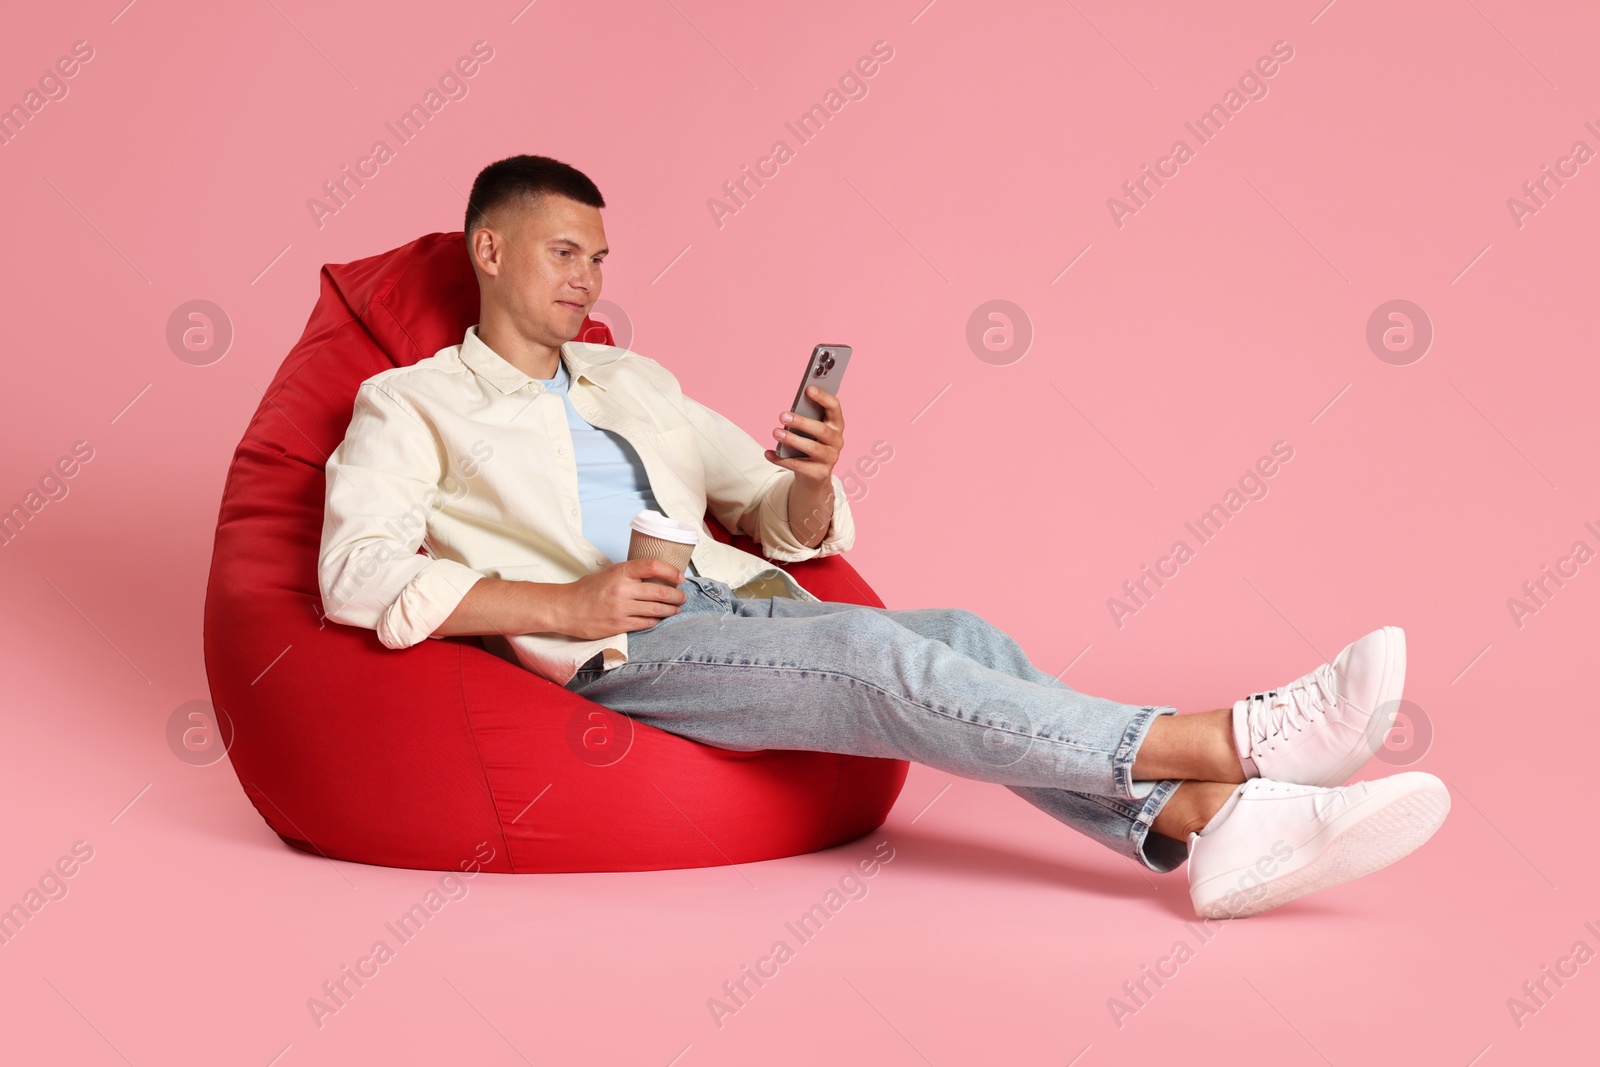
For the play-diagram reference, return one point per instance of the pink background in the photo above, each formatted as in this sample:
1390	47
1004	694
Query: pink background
1228	313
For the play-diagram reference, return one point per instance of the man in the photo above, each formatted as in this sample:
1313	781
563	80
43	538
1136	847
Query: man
518	458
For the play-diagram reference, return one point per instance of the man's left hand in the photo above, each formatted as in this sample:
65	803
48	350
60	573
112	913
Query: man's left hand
811	494
821	454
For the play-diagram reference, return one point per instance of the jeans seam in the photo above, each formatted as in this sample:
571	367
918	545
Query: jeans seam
1146	816
1115	805
840	676
1132	737
709	590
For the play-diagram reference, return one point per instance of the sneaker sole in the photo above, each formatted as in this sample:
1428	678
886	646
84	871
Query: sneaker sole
1390	831
1378	725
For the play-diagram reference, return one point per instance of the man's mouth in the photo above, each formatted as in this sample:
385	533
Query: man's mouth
570	305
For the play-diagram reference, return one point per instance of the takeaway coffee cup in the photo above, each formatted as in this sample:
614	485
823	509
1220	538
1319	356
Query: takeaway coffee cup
655	536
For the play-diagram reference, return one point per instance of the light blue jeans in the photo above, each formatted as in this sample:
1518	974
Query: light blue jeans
939	686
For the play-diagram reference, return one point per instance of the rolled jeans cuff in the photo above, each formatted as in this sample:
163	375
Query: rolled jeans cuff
1127	751
1158	852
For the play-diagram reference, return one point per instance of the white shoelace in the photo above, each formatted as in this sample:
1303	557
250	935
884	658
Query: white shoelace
1293	705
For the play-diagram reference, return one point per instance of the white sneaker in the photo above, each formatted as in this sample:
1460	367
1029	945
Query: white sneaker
1271	842
1320	729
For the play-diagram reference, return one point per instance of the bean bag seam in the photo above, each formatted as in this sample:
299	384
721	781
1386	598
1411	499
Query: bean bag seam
833	805
494	801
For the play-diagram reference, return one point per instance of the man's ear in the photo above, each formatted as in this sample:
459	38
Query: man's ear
482	239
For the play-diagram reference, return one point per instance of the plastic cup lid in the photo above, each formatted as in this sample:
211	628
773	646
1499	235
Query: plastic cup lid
655	524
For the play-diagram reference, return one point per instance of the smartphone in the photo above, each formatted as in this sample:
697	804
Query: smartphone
824	370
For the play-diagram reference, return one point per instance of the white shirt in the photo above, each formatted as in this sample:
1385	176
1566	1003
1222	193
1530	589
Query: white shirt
463	454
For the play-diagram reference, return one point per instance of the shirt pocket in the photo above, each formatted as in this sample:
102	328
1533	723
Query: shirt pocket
679	448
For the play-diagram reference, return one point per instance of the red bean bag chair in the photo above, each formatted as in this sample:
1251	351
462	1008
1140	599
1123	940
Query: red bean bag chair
443	754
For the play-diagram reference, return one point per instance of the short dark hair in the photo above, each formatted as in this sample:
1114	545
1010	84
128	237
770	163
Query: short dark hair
529	179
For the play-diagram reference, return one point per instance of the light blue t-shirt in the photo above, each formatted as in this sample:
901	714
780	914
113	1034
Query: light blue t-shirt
612	484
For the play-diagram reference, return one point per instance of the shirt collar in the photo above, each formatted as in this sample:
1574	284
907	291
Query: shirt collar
489	365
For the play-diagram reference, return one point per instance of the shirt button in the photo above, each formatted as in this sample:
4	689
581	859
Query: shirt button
561	451
573	512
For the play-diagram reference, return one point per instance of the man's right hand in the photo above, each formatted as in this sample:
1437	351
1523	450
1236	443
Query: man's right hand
603	604
618	599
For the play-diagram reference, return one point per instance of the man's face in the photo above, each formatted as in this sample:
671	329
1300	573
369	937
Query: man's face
542	263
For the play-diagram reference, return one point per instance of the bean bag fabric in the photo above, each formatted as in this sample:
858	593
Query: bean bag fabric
442	755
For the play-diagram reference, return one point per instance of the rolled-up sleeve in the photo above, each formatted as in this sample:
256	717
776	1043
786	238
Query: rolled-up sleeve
382	482
749	494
